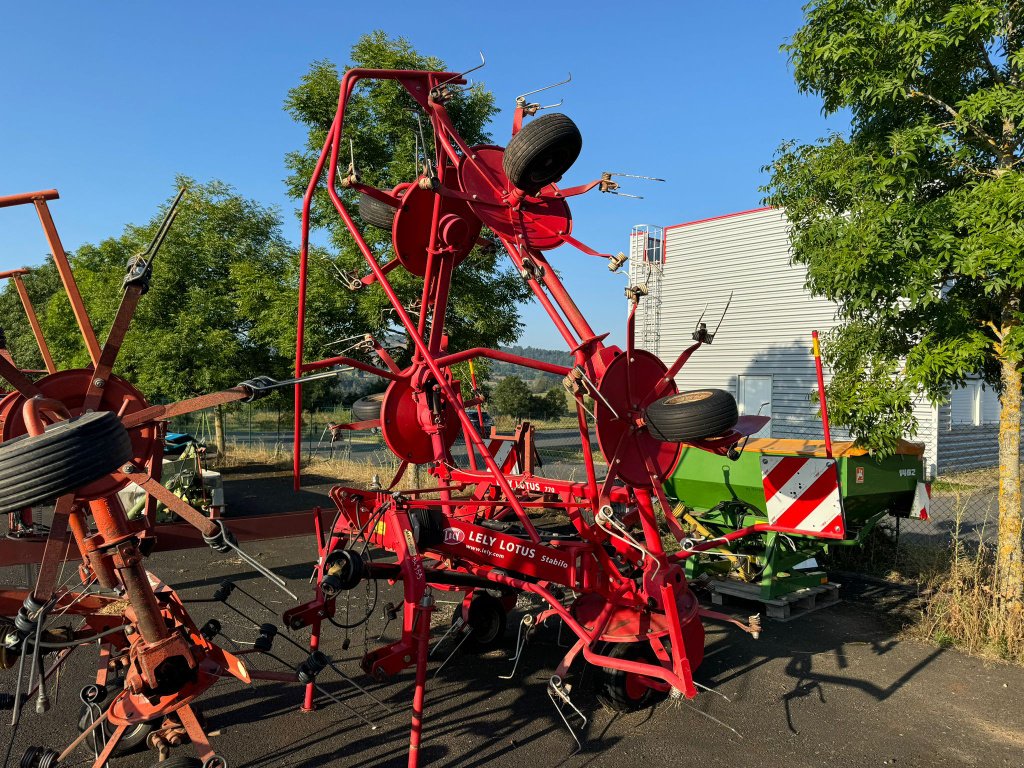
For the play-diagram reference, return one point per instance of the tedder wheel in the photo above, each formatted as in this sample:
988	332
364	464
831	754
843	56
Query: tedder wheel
692	415
542	151
622	691
487	620
367	408
374	212
178	761
133	738
67	456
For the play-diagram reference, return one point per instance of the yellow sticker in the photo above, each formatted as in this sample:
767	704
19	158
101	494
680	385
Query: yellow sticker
411	543
380	528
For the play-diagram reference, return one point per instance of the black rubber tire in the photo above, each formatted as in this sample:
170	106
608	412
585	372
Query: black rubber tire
375	212
67	456
692	415
542	152
616	691
367	408
178	761
133	738
487	622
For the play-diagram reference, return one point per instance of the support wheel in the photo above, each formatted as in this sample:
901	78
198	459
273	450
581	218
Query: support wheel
133	738
542	152
487	622
178	761
692	415
69	455
368	408
374	212
622	691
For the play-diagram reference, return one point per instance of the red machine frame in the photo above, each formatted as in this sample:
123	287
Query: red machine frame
608	577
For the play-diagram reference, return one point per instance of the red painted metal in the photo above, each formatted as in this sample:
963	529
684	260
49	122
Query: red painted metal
822	399
605	573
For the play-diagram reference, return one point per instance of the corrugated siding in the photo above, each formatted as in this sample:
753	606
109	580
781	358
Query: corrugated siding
767	331
966	446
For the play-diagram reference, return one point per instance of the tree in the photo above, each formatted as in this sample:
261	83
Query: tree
220	308
914	223
512	397
553	403
382	124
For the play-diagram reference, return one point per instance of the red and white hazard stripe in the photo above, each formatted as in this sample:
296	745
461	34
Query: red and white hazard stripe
802	495
922	501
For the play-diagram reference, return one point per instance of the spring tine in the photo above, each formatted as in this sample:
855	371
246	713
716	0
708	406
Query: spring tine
636	176
723	314
712	718
273	577
709	689
455	650
521	640
347	706
456	625
545	88
556	694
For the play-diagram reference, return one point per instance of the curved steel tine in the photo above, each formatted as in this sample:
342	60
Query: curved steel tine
729	302
483	62
546	88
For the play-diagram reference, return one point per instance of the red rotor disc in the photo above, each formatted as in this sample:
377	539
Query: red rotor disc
400	425
628	387
69	387
410	234
538	223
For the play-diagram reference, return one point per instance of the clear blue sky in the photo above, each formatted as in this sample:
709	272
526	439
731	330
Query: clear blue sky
108	101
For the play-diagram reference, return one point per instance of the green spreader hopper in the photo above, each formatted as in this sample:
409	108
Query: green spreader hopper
805	499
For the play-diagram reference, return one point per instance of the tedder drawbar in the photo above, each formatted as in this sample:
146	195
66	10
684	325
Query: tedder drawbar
590	553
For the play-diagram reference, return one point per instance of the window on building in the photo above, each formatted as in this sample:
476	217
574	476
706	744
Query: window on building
754	398
974	405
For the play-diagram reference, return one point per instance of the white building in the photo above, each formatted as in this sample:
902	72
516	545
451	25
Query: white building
762	353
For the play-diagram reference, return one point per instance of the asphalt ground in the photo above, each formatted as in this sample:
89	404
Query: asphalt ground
836	687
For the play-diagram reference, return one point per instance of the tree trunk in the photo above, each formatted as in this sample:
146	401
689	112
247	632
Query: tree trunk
1009	562
218	432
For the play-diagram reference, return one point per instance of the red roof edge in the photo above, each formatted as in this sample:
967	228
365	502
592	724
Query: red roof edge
716	218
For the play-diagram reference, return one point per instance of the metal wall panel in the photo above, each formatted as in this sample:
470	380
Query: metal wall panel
767	331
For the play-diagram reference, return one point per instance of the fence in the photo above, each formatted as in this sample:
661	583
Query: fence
963	506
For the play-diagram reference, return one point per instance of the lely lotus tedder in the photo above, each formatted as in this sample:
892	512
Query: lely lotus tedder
589	553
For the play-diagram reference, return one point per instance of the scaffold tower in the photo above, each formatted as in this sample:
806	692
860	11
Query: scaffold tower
646	268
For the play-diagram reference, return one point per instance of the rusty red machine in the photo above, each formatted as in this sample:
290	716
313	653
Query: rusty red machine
589	553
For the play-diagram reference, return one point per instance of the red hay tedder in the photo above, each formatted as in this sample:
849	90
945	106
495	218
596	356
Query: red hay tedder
590	553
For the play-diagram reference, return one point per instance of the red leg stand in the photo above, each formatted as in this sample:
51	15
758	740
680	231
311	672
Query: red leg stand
426	607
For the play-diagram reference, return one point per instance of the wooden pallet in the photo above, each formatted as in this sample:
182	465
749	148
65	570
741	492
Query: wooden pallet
783	608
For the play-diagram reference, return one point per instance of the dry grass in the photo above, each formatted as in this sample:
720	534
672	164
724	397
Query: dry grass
357	473
963	610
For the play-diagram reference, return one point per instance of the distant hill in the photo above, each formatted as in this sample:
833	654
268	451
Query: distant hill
500	370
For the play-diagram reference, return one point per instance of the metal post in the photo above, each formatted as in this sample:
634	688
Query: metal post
821	394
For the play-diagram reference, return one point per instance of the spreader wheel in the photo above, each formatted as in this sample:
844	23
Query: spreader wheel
67	456
375	212
622	691
487	621
692	415
367	408
542	151
134	736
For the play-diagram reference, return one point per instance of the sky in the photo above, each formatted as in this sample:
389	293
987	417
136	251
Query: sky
107	102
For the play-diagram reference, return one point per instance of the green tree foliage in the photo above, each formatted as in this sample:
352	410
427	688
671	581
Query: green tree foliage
219	309
41	283
554	403
914	222
381	123
512	397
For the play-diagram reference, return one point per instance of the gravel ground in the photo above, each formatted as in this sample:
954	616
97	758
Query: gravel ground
837	687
